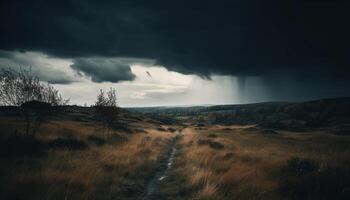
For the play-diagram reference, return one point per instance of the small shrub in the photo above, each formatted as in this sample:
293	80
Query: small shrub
212	135
171	130
123	127
302	179
228	156
161	129
116	138
67	143
216	145
139	130
96	140
67	133
269	131
203	142
299	166
211	144
249	159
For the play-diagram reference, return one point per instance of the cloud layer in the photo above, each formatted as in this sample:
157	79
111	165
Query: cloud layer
164	88
53	70
65	71
231	37
292	43
106	69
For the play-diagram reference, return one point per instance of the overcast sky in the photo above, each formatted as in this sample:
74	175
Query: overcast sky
182	52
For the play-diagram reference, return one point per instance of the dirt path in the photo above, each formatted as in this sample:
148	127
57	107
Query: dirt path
152	191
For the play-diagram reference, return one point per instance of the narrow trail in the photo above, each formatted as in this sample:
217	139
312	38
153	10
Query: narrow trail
152	191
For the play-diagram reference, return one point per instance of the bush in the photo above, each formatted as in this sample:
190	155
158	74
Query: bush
123	127
171	130
303	179
211	144
269	131
116	138
212	135
297	166
161	129
139	130
96	140
67	143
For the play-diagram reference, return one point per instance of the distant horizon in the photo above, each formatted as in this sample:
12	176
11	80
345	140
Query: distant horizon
261	102
203	105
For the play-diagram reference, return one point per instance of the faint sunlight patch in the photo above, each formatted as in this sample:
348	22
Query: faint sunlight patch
138	95
157	79
51	69
157	86
160	75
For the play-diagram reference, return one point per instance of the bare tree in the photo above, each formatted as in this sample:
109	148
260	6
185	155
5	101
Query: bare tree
18	87
35	98
106	109
101	99
111	98
35	113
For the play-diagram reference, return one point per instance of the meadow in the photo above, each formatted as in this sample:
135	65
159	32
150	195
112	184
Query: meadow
73	157
74	160
248	162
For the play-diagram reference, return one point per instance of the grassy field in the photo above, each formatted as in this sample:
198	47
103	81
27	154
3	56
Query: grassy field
74	160
246	162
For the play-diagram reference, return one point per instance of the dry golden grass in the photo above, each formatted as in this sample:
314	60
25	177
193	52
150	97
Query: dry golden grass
116	170
212	162
249	165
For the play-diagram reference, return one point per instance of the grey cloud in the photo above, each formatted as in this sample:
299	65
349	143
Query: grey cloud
107	69
45	68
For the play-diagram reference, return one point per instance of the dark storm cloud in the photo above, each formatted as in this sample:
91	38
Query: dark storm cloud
269	38
104	69
238	37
